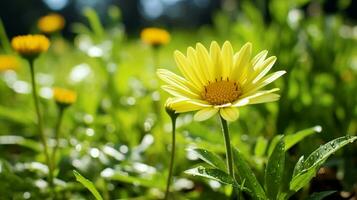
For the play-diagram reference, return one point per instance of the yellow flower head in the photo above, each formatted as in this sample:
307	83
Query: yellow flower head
8	62
64	96
169	110
30	45
51	23
155	36
219	80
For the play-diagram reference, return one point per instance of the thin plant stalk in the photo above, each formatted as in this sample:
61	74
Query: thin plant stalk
227	143
172	159
40	124
155	55
57	134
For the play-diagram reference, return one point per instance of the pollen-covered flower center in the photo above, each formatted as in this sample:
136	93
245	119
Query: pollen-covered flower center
221	92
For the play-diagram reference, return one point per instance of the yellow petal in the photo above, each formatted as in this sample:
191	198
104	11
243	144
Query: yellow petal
260	57
264	98
227	60
215	53
177	91
174	79
229	113
255	94
205	61
181	105
263	82
264	68
186	69
205	114
199	72
241	61
241	102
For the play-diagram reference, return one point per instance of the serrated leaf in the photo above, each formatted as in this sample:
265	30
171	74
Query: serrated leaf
291	140
320	195
213	174
305	170
260	146
245	173
88	184
210	158
275	170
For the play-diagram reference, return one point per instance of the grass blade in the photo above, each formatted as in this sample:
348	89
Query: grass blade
88	184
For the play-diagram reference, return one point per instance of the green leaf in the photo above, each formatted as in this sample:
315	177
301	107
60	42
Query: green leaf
145	182
291	140
320	195
305	170
94	22
260	146
4	40
213	174
273	143
88	184
21	141
210	158
245	173
274	170
18	116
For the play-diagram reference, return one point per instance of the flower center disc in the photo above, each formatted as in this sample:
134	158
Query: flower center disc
221	92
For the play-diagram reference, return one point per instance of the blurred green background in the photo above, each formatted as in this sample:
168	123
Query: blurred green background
117	133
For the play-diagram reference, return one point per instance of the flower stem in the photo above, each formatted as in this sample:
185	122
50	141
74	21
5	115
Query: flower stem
39	122
57	133
227	142
155	56
173	144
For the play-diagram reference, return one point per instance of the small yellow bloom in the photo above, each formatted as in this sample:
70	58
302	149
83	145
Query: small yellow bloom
219	80
51	23
155	36
64	96
169	110
8	62
30	45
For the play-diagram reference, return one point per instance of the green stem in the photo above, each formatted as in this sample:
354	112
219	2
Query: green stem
57	134
39	122
173	144
4	40
227	142
155	56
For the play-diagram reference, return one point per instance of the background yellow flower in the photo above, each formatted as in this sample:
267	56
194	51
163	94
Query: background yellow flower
155	36
64	96
219	80
51	23
8	62
30	45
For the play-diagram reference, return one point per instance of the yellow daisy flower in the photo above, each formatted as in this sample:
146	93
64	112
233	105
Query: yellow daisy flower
64	96
8	62
219	80
51	23
155	36
30	45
